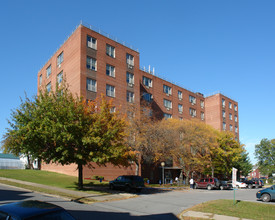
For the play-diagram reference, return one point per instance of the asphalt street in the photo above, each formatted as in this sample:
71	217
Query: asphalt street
164	205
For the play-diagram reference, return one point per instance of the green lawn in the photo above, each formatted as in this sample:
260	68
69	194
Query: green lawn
48	178
241	209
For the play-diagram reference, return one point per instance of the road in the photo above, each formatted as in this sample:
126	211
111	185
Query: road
165	205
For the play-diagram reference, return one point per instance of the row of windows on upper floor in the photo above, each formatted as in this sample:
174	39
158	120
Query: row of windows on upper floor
192	113
130	97
59	79
230	116
230	127
110	50
229	105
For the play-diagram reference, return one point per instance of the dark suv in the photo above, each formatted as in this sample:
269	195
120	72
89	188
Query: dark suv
252	183
127	183
208	183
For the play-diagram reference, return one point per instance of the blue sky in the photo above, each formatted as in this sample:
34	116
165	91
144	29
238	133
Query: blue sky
205	46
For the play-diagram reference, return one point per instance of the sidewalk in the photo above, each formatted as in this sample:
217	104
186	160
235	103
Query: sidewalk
78	194
202	215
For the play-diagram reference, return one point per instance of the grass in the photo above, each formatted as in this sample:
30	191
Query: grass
51	179
241	209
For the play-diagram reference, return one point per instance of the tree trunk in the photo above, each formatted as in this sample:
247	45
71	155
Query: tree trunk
212	171
80	176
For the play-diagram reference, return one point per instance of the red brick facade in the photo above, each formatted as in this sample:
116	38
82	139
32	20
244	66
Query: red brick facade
166	98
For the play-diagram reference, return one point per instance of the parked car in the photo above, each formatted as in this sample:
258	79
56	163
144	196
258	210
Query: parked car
207	183
238	184
251	183
225	185
127	183
258	182
267	194
33	210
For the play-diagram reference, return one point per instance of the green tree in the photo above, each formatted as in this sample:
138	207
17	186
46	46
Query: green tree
265	154
59	127
244	164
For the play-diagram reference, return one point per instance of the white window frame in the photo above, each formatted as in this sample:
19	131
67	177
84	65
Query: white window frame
179	95
91	42
130	59
235	108
167	103
202	116
91	85
230	105
130	78
59	77
167	89
91	63
223	103
236	129
236	118
202	104
110	51
130	97
110	70
49	87
147	81
40	79
110	91
193	112
224	126
60	59
223	114
180	108
147	96
167	116
192	100
49	71
230	128
113	109
230	117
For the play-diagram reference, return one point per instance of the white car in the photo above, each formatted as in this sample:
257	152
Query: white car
238	184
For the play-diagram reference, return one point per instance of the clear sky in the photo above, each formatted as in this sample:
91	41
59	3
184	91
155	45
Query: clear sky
206	46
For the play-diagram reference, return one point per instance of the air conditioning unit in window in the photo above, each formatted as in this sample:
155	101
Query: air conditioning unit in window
167	109
147	87
130	66
130	84
167	94
152	97
193	103
180	99
180	112
59	65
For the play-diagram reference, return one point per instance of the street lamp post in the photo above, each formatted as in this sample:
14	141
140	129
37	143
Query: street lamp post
162	164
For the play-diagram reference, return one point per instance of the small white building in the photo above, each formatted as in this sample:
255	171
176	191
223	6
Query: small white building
9	161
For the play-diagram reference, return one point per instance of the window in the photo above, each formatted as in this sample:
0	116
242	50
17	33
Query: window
235	108
181	118
60	77
110	70
110	90
147	96
180	108
113	109
223	103
230	105
236	118
167	103
130	97
49	71
180	95
230	116
223	114
110	50
192	100
147	82
224	126
230	127
91	85
167	90
236	129
202	104
59	59
40	79
202	116
130	78
91	42
166	116
49	87
91	63
130	60
192	112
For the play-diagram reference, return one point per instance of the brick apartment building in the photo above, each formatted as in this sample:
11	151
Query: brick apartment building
94	64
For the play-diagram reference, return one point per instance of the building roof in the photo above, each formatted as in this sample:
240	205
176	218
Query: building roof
8	156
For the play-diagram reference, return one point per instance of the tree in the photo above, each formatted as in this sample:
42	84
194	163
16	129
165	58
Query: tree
244	165
62	128
265	154
228	153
